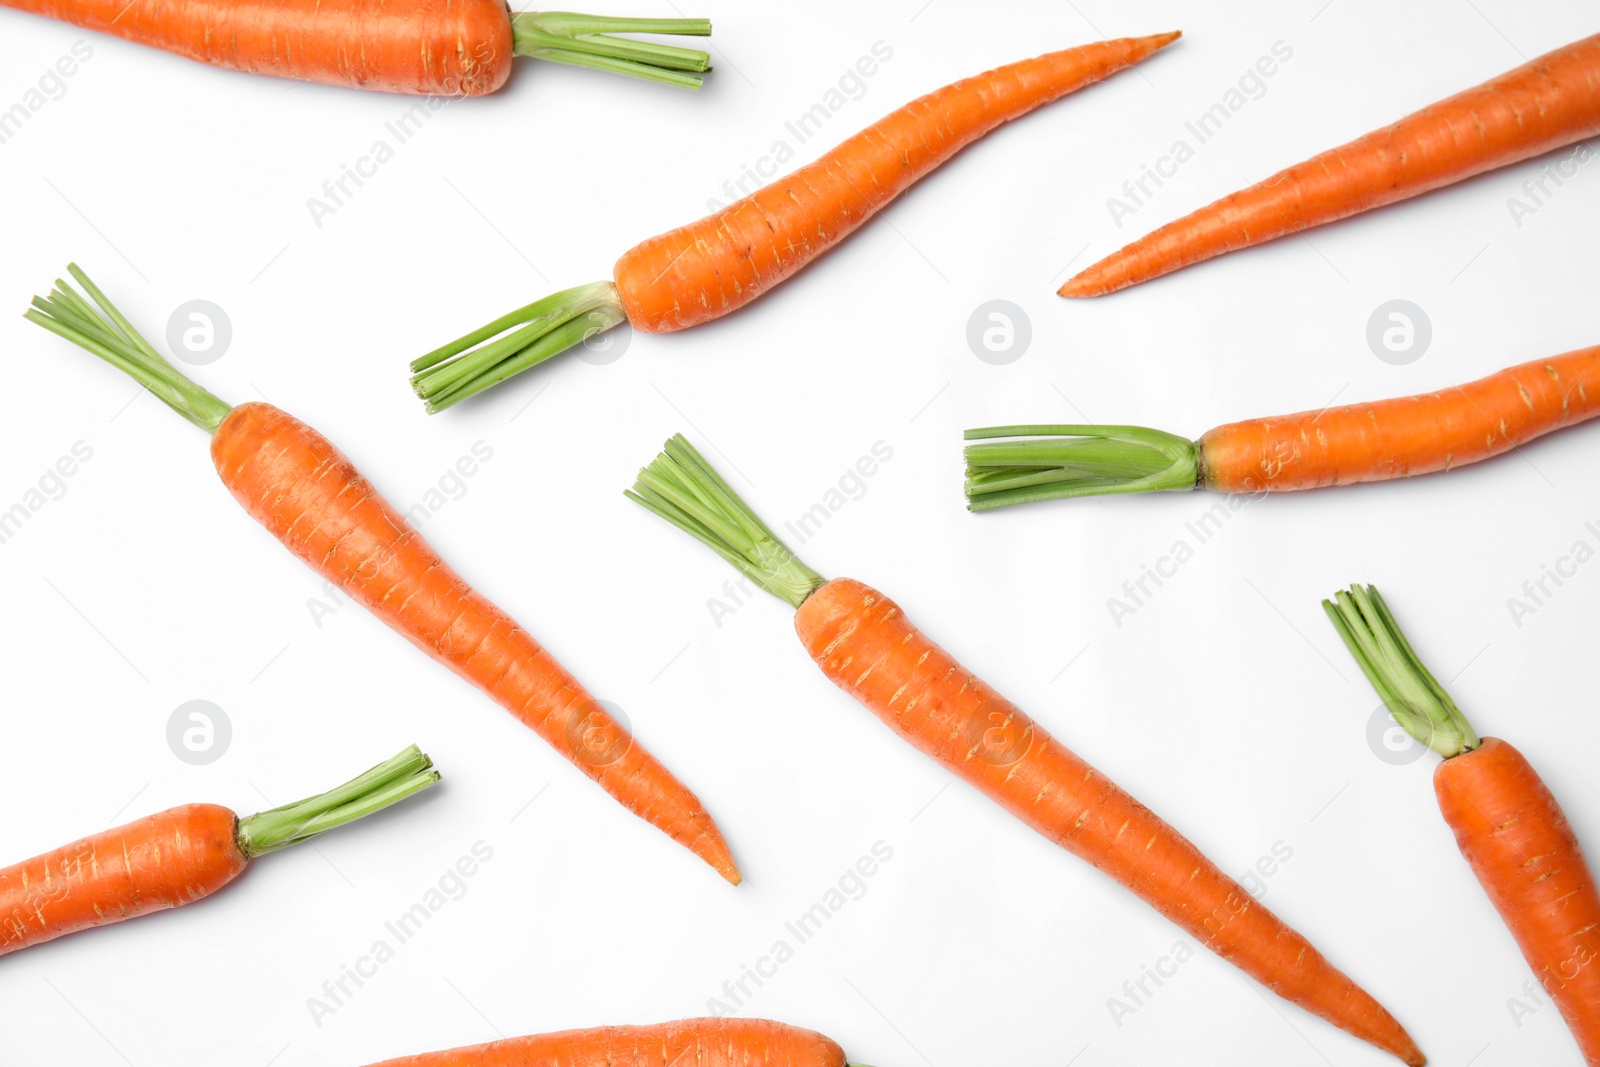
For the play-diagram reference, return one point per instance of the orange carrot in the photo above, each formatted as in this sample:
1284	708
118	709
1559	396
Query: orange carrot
298	485
431	47
180	855
1541	106
1508	826
708	268
688	1043
1372	442
865	645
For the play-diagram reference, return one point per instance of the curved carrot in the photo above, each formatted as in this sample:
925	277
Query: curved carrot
865	645
431	47
1507	824
178	856
298	485
708	268
689	1043
1371	442
1540	106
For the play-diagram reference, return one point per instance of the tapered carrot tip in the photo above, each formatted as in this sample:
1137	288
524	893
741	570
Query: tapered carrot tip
1096	281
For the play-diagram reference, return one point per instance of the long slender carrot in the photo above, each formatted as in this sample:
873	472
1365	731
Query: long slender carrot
178	856
688	1043
709	268
1507	824
298	485
429	47
1540	106
864	644
1371	442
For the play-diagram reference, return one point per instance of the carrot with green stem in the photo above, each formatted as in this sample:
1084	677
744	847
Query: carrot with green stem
1506	822
178	856
428	47
688	1042
1371	442
864	644
1545	104
298	485
709	268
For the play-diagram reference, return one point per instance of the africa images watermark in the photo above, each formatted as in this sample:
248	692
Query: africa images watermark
1543	587
450	486
340	189
1250	85
851	885
49	87
1139	991
451	885
48	487
1538	191
851	485
851	85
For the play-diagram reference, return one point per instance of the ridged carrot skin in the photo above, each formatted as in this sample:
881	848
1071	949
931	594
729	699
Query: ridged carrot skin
1544	104
1404	436
298	485
1519	844
722	262
432	47
864	643
689	1043
157	862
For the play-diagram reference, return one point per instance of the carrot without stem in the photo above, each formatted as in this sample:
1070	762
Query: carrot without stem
688	1043
429	47
1507	824
298	485
709	268
1378	441
180	855
865	645
1544	104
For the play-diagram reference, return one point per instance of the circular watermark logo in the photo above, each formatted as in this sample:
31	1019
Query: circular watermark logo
601	737
199	732
1399	332
198	332
1389	741
999	734
601	346
999	332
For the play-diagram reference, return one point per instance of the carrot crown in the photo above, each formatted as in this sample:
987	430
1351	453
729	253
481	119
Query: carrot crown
388	783
1411	693
101	329
587	41
514	342
1069	461
680	486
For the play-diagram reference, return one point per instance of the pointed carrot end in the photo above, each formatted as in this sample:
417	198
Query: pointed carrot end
731	873
1161	40
1083	285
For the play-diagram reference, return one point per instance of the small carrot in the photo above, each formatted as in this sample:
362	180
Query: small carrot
688	1043
1372	442
1507	824
1542	105
298	485
866	646
180	855
709	268
427	47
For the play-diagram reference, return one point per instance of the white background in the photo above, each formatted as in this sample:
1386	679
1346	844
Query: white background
1225	702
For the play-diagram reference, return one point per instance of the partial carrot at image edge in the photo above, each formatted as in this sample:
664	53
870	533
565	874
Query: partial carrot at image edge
712	267
465	48
180	855
1507	824
380	561
864	644
1376	441
718	1041
1545	104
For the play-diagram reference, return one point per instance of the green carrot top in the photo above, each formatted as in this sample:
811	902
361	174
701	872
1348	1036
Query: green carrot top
1411	693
